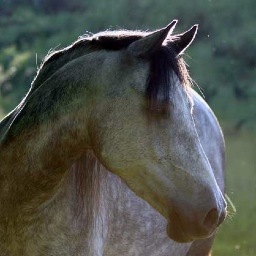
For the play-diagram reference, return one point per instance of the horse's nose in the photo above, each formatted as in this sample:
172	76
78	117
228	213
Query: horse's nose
214	218
206	224
194	222
211	219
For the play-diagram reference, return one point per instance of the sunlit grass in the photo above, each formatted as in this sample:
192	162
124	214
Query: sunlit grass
237	235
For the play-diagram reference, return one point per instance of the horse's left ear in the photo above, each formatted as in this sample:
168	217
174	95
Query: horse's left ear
147	45
184	40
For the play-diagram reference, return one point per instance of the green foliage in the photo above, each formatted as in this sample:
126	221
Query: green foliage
222	58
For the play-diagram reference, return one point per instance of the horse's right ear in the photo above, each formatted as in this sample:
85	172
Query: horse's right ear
184	40
147	45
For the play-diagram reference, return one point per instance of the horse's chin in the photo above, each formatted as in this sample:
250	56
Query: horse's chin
178	235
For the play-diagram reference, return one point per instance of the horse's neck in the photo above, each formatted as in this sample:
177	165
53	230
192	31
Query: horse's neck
42	138
87	187
33	161
61	58
90	193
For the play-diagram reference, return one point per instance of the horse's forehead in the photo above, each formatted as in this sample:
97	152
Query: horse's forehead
122	70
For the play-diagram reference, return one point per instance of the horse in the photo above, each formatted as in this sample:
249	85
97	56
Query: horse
111	152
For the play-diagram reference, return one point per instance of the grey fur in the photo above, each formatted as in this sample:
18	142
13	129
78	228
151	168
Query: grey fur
149	173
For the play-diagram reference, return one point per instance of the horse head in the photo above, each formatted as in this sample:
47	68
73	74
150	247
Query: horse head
125	95
142	129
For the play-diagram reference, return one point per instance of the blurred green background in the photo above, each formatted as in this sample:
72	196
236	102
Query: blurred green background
222	62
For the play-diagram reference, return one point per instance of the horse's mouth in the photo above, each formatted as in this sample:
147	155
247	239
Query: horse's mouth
185	234
178	235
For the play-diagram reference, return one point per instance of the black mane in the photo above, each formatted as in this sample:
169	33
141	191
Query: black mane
164	63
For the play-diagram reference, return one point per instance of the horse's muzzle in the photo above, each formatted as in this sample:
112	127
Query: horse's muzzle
184	228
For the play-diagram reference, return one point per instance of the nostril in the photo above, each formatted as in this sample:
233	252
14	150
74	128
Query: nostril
211	219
